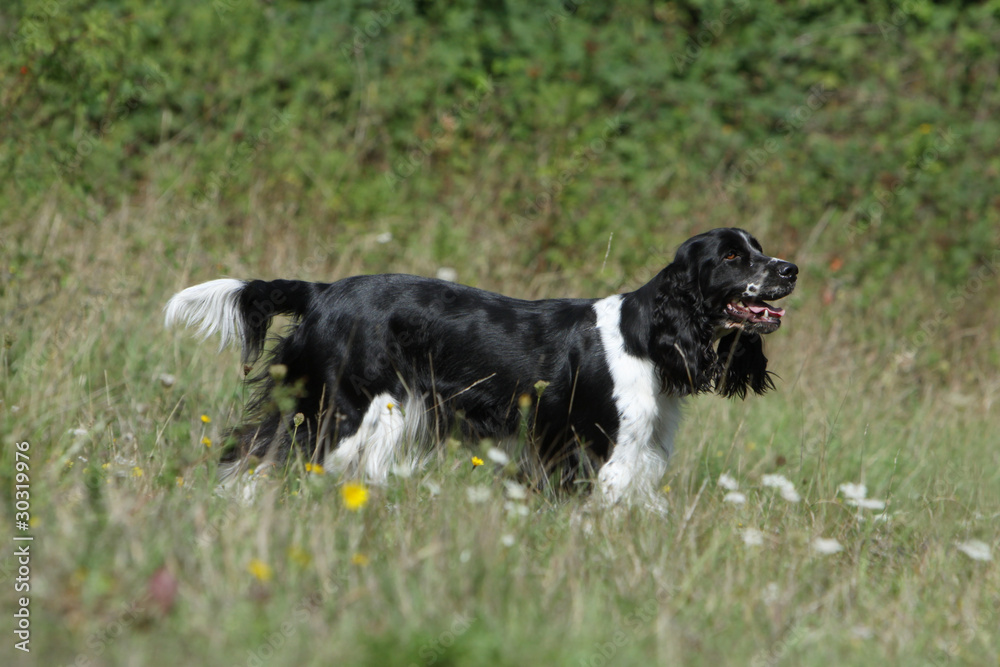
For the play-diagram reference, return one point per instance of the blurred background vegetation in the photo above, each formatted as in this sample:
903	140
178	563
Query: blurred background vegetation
539	148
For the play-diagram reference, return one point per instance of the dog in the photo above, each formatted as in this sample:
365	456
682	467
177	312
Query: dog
375	370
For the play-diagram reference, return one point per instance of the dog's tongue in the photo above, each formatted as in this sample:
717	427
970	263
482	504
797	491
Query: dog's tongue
765	308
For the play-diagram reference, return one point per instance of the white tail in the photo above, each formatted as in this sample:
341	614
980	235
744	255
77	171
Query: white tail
212	307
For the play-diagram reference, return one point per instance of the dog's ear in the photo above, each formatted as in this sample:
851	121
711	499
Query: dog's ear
742	366
681	334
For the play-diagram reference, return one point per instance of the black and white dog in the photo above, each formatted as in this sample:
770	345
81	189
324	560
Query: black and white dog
379	367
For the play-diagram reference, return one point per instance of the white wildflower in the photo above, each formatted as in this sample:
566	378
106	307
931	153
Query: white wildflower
734	497
497	456
515	509
477	494
853	491
507	540
384	237
867	503
976	550
728	482
514	490
447	273
826	546
753	537
432	487
785	487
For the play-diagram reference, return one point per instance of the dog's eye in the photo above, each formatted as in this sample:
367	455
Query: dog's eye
731	255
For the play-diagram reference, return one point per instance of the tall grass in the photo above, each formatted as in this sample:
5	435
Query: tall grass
124	494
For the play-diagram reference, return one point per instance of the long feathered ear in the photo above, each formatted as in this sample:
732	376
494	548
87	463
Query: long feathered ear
681	334
742	366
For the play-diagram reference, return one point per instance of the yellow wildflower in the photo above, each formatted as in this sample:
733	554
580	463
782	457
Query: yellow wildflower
476	462
359	559
137	471
314	468
260	569
207	441
205	419
355	495
299	556
180	481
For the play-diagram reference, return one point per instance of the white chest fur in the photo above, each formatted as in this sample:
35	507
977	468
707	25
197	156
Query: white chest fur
647	417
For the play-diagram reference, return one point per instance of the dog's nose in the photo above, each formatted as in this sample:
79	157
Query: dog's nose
788	270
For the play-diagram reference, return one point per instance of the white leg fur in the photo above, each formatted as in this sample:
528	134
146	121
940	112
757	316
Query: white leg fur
647	417
387	437
212	307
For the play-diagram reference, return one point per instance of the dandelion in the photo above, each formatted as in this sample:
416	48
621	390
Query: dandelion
137	471
207	441
299	556
734	497
976	550
260	570
826	546
359	559
752	537
665	488
390	406
355	496
314	468
476	462
498	456
727	481
205	419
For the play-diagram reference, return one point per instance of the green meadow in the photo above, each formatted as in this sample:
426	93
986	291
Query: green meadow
540	150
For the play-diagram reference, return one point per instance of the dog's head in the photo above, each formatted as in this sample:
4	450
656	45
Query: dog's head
718	288
736	279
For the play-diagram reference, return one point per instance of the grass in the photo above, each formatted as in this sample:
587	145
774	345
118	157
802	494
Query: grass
124	502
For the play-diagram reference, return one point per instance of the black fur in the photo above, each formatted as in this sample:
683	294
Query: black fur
470	355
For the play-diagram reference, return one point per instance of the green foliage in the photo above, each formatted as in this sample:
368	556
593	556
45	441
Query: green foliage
360	111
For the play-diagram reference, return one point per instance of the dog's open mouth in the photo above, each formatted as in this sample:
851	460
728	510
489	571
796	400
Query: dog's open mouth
753	316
